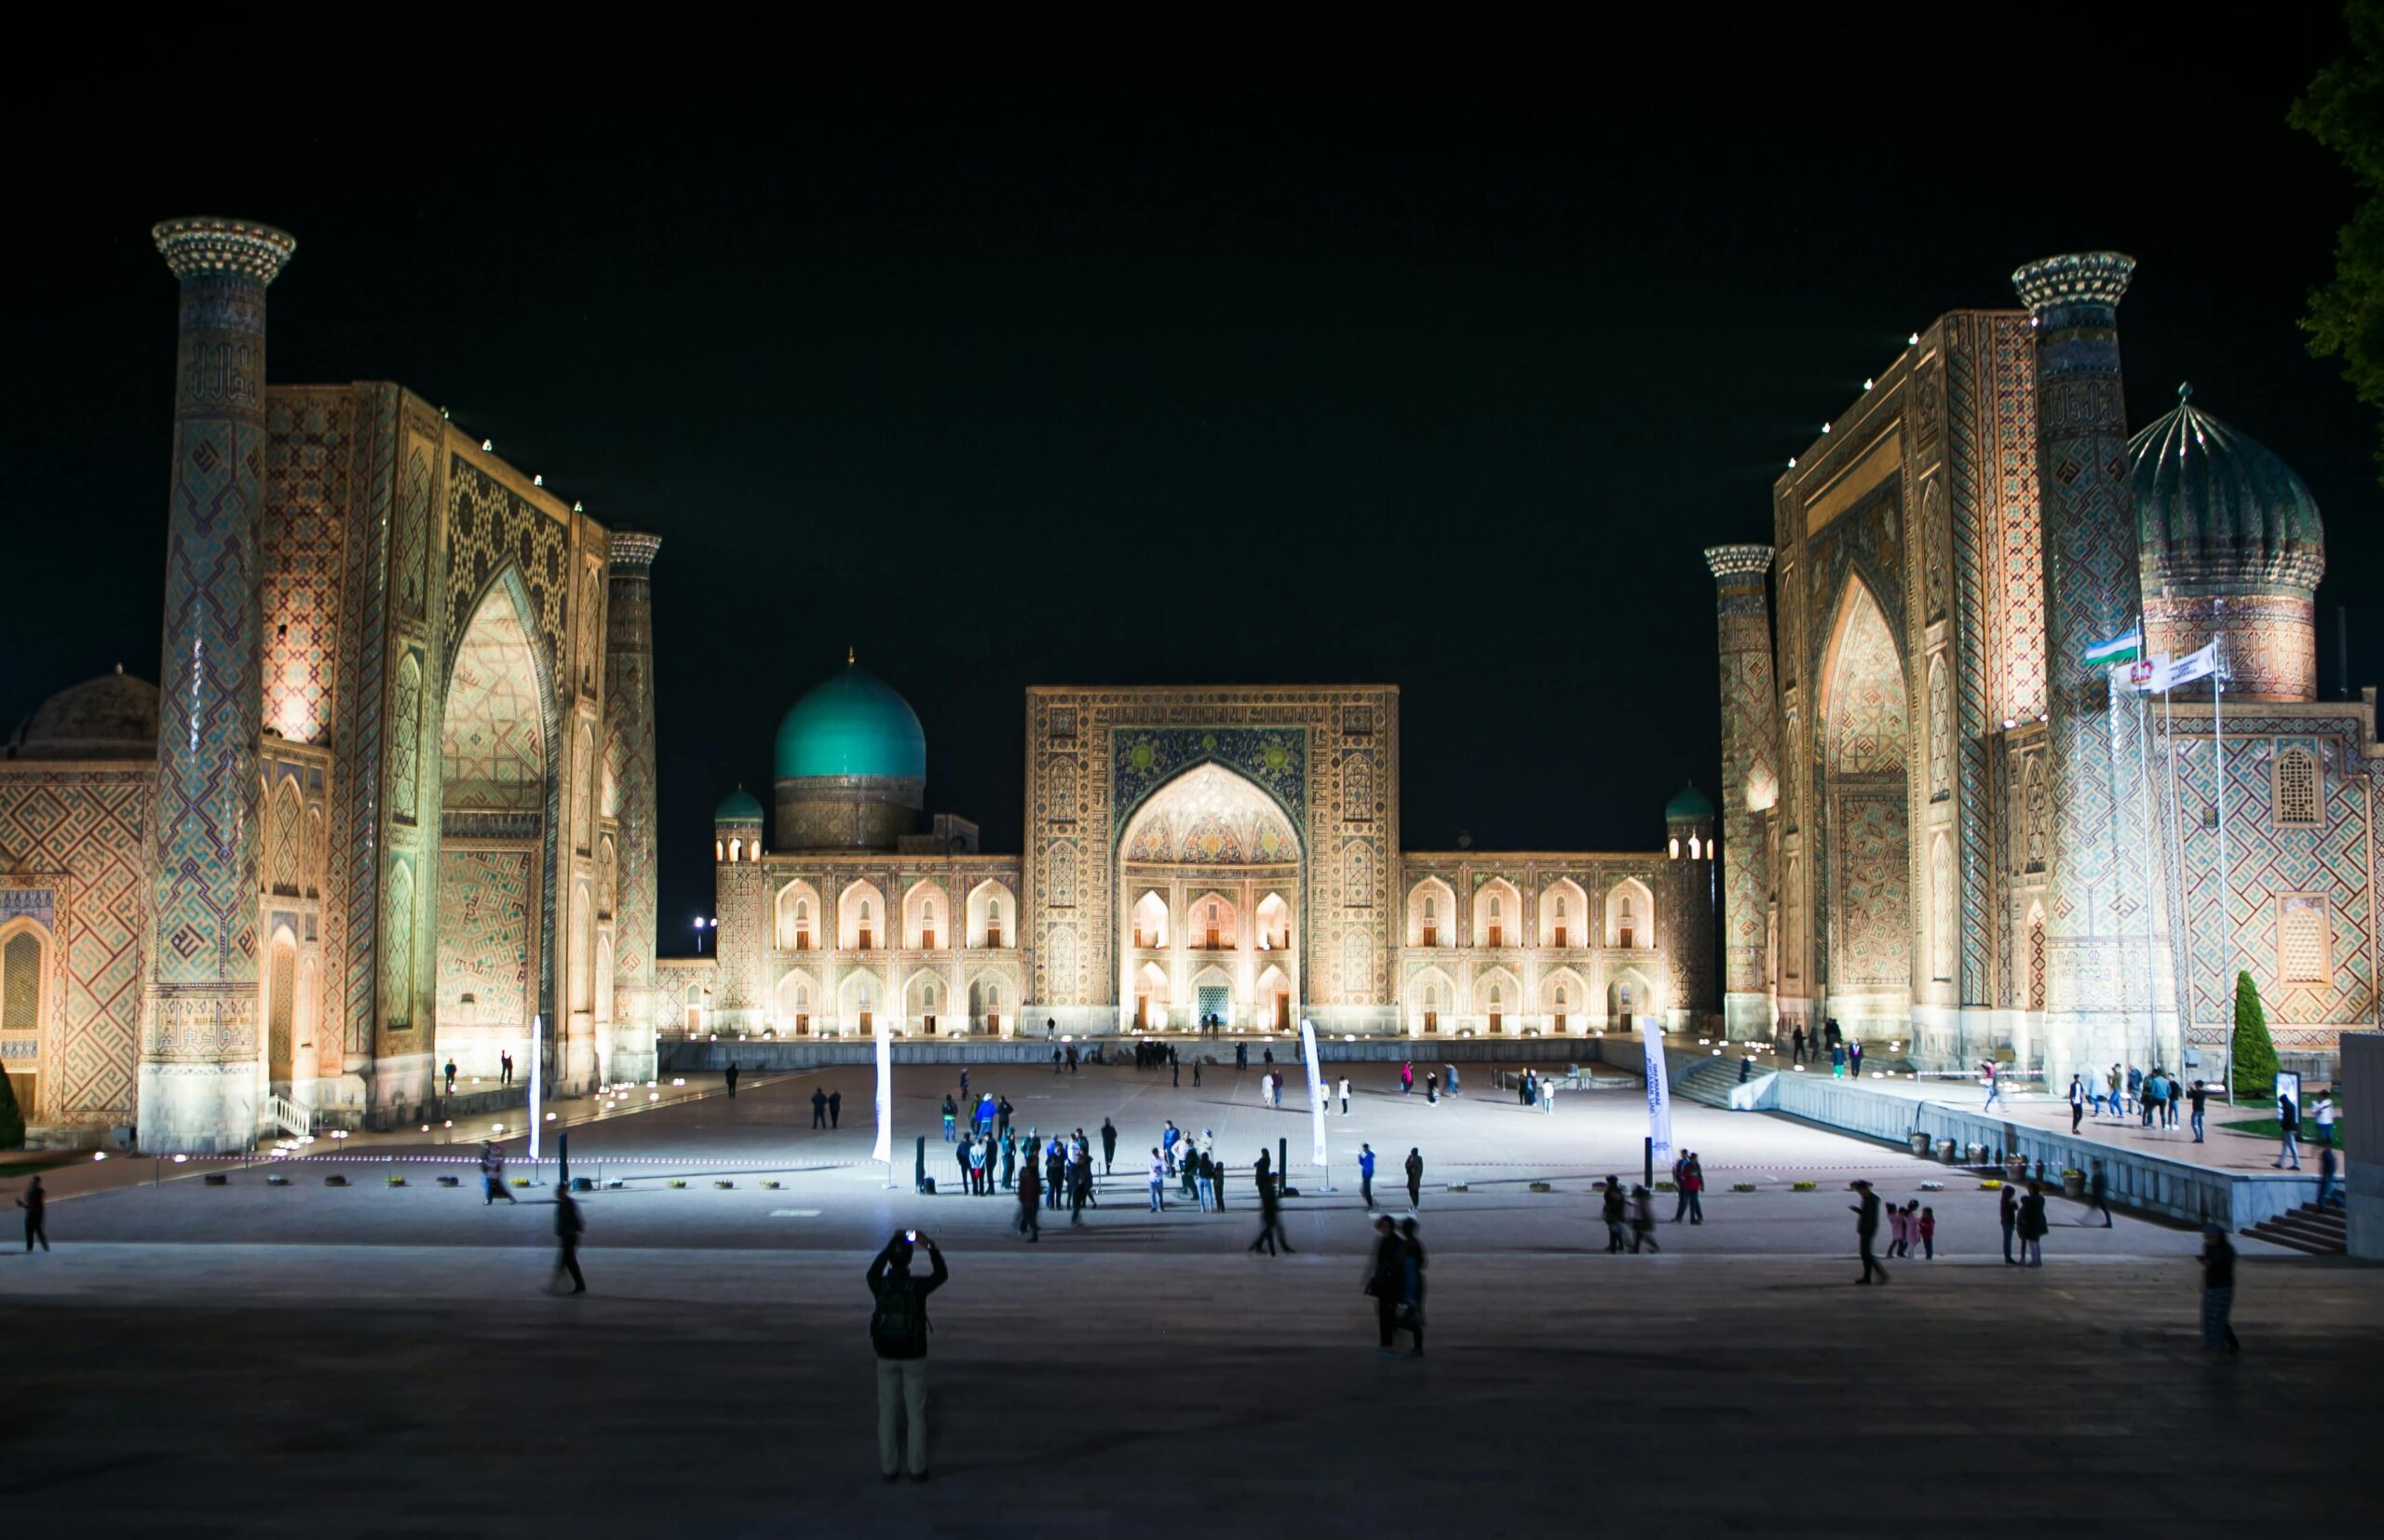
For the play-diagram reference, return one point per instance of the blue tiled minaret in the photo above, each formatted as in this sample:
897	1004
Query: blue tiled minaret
202	1075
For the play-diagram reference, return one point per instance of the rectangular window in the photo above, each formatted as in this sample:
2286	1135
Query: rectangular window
2297	802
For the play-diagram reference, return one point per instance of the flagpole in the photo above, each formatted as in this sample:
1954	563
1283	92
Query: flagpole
2180	933
2225	879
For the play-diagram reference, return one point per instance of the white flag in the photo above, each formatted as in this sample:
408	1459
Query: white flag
1659	1100
1315	1091
2169	674
884	1149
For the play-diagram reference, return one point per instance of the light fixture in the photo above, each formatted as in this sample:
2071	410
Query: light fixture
445	415
1792	462
1868	383
1912	341
2008	724
577	508
1824	428
540	480
487	446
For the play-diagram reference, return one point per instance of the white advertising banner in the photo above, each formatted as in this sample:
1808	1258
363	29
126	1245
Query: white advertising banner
1315	1089
884	1150
1660	1096
537	1052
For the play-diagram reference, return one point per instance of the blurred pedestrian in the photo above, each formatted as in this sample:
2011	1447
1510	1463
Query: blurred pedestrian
1411	1304
1387	1282
2217	1290
1615	1213
1866	1229
568	1227
36	1203
731	1078
2032	1226
1414	1178
1366	1175
1643	1221
493	1175
818	1108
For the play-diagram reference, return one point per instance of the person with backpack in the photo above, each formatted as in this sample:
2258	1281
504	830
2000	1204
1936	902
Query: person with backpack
897	1330
1692	1187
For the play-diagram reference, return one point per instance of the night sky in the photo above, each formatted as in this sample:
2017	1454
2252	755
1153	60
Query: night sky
1436	380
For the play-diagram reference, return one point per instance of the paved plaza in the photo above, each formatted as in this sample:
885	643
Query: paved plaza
402	1372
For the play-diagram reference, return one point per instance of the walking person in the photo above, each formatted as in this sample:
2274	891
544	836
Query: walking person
2032	1225
1616	1215
1448	1082
1175	1068
2217	1290
2200	1097
2098	1192
36	1203
731	1078
2324	1115
1158	1182
1414	1178
1411	1305
1993	1081
569	1227
1680	1186
1406	1077
1345	1096
1896	1231
835	1107
1204	1179
1837	1061
505	1068
1866	1229
2288	1122
1796	1051
2330	1193
1079	1187
1030	1203
818	1108
898	1330
493	1175
2008	1211
2077	1102
1010	1160
1643	1221
1386	1281
1692	1187
1432	1087
1854	1059
951	1118
1366	1175
1271	1218
450	1077
1108	1146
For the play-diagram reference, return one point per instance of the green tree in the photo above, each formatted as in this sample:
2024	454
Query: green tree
12	1117
2343	110
2255	1067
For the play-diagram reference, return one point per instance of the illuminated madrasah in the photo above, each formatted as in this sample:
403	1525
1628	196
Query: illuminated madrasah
395	800
1940	825
1228	852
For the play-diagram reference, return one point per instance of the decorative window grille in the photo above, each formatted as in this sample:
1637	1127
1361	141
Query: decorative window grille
2298	804
2304	954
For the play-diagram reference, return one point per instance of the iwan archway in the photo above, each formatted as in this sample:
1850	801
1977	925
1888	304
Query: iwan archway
1865	732
1211	869
498	768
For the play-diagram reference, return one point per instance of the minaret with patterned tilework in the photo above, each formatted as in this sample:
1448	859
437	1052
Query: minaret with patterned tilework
1750	783
628	758
202	1087
2109	993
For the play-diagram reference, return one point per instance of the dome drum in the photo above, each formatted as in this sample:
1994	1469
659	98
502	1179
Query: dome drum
847	812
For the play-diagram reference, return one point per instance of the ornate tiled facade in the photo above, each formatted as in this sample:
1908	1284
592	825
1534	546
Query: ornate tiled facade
1207	851
1971	844
265	907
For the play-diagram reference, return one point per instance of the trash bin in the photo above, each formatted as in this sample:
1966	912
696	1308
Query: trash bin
1920	1144
1946	1151
2073	1184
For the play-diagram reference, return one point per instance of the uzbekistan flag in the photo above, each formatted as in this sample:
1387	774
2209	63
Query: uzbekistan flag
2124	648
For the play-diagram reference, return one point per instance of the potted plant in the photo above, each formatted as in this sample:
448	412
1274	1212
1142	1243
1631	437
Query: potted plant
2073	1182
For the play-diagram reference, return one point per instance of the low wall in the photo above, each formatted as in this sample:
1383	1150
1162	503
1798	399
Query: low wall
2138	1179
2362	1093
697	1057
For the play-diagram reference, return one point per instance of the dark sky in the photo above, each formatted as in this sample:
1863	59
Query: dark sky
1438	374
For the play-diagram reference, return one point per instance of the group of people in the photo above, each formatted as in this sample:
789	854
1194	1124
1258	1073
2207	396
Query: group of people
1830	1040
1634	1213
2156	1099
1414	1167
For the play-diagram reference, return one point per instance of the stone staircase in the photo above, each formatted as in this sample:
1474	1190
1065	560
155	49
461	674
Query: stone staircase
2309	1228
1707	1082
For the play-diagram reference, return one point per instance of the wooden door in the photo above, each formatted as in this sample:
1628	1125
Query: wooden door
1213	937
1495	1019
1559	936
868	1024
1142	1013
1431	1022
802	1024
1498	935
930	1022
1283	1012
1431	936
1556	1023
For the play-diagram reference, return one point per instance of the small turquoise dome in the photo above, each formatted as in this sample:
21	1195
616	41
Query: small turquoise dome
852	724
1689	806
738	806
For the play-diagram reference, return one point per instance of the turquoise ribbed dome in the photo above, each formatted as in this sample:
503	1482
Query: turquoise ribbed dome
1688	804
852	724
738	806
2218	511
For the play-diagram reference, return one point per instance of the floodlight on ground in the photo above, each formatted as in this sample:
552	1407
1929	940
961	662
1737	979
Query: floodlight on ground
99	1155
180	1159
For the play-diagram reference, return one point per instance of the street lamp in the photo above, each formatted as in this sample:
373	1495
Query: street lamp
703	925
